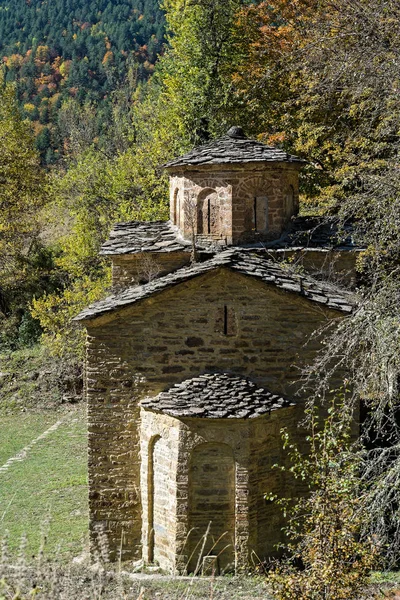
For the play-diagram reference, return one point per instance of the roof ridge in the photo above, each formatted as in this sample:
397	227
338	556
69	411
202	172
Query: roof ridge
245	262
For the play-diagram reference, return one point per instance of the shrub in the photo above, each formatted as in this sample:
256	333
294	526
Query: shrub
325	557
55	312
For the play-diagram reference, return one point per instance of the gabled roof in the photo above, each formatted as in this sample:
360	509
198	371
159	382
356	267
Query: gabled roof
238	260
234	147
216	396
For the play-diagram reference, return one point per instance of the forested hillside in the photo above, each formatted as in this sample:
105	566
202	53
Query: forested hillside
73	49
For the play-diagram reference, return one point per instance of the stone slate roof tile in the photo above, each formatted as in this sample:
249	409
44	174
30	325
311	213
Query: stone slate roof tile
216	396
239	260
137	236
319	233
164	237
234	147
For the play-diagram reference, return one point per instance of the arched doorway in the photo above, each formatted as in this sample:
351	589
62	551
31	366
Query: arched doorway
211	506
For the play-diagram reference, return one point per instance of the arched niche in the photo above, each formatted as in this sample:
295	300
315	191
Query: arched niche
260	212
211	517
208	212
159	502
289	202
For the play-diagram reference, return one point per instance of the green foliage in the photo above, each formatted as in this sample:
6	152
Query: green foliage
24	262
323	528
55	313
29	330
94	193
195	70
22	181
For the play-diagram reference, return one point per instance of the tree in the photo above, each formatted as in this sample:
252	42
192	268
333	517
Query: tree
22	183
22	195
195	70
321	79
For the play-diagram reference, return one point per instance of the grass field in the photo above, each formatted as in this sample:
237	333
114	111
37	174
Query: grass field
49	480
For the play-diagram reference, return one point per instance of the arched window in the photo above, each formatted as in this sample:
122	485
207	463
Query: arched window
208	213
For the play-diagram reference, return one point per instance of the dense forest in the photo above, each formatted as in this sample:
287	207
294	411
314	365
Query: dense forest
317	78
83	51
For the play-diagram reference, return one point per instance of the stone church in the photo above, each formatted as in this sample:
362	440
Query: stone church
193	363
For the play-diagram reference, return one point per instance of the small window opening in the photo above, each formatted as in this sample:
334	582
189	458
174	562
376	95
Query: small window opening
176	208
225	320
209	215
255	213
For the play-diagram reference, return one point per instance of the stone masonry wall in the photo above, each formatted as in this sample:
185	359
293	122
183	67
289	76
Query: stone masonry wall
131	269
189	196
169	338
218	482
159	456
279	185
267	451
248	202
229	441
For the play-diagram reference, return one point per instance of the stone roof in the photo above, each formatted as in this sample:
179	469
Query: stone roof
163	237
246	262
135	237
216	396
319	232
233	148
143	236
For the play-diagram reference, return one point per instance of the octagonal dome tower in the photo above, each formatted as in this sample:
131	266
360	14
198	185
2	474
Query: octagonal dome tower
234	190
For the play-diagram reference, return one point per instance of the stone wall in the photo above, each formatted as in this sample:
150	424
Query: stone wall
132	269
168	338
279	186
159	456
239	204
266	451
211	505
217	485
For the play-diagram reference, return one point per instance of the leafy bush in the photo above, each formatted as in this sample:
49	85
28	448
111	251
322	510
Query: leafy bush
29	330
326	558
55	312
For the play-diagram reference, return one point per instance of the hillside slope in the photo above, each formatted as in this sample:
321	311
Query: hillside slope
60	49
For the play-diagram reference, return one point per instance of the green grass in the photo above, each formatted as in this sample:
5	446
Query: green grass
50	482
385	577
16	431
